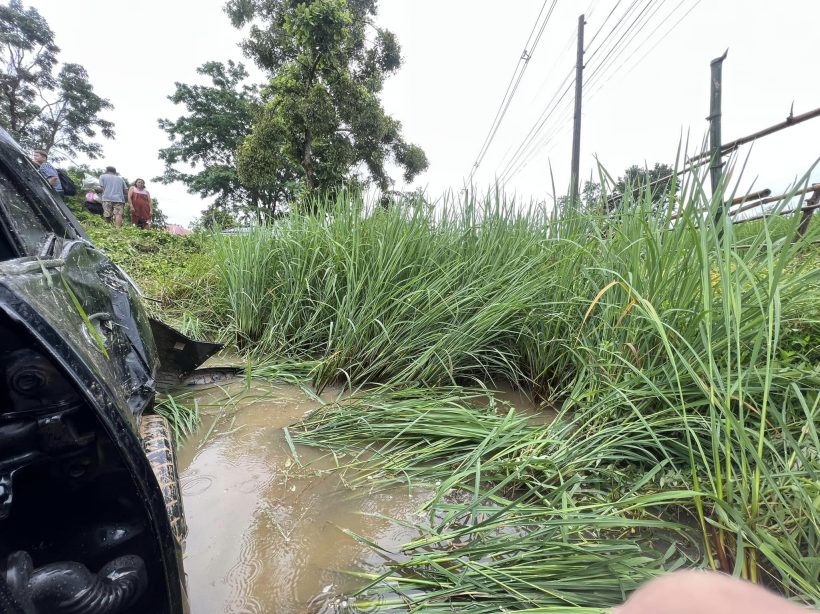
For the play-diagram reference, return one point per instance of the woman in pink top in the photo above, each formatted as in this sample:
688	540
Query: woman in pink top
93	201
140	201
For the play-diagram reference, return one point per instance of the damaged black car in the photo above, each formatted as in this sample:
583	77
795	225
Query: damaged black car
91	517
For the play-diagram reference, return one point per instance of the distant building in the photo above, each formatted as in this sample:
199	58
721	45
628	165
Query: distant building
176	229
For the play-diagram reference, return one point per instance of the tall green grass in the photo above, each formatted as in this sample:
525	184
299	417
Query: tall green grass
688	431
404	295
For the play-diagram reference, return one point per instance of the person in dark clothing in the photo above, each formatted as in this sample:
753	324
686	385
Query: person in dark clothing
93	201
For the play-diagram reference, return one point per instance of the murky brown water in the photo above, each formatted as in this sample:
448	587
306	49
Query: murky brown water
265	534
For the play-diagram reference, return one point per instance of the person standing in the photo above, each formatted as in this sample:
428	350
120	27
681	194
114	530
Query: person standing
140	201
40	160
113	197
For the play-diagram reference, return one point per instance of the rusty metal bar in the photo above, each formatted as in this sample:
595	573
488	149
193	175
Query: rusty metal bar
758	201
791	120
703	158
811	204
772	199
737	201
770	214
752	196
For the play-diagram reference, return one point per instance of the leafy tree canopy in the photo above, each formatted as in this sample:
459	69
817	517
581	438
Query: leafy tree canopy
214	218
43	110
635	180
322	115
158	218
218	116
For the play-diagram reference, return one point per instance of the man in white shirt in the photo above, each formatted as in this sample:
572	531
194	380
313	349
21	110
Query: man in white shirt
113	197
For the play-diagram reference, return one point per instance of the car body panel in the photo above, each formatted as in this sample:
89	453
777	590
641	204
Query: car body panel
84	313
120	425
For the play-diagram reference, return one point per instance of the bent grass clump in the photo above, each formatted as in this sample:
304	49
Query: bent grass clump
689	400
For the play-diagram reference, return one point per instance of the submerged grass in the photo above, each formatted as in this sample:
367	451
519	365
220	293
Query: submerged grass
685	367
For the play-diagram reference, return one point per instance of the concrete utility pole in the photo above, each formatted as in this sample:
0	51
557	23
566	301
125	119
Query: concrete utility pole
576	129
716	165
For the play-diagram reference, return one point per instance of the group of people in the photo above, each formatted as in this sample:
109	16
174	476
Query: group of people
106	195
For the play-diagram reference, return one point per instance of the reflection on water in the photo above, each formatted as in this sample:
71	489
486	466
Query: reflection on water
265	533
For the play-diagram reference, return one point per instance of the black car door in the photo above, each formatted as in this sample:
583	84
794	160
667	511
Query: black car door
55	272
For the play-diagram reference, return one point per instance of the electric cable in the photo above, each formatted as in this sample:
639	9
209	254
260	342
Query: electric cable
538	125
515	81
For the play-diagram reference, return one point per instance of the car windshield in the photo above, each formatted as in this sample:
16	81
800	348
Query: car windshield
26	223
29	218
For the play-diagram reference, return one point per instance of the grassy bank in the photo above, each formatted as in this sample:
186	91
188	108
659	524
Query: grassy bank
685	367
683	357
163	265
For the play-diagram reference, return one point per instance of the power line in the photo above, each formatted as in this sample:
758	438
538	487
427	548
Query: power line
540	117
549	109
539	124
513	165
619	39
617	44
526	147
629	35
621	20
591	8
562	124
617	52
515	81
518	66
656	29
662	38
603	23
601	84
560	56
559	60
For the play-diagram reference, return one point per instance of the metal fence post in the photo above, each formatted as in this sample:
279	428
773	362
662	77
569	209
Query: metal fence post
714	127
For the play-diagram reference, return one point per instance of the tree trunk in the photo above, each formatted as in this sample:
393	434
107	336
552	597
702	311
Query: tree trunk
255	206
307	161
15	130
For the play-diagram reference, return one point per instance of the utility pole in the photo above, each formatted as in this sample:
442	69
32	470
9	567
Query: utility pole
576	128
716	156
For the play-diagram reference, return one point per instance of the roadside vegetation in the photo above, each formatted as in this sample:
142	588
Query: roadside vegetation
158	261
680	353
682	357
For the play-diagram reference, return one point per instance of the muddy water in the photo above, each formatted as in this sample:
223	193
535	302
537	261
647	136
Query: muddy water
265	534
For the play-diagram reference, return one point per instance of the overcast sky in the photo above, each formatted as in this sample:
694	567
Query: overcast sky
459	56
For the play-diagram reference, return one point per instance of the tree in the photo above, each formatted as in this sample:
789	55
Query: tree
322	113
158	217
40	109
213	218
219	116
635	180
657	179
590	198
